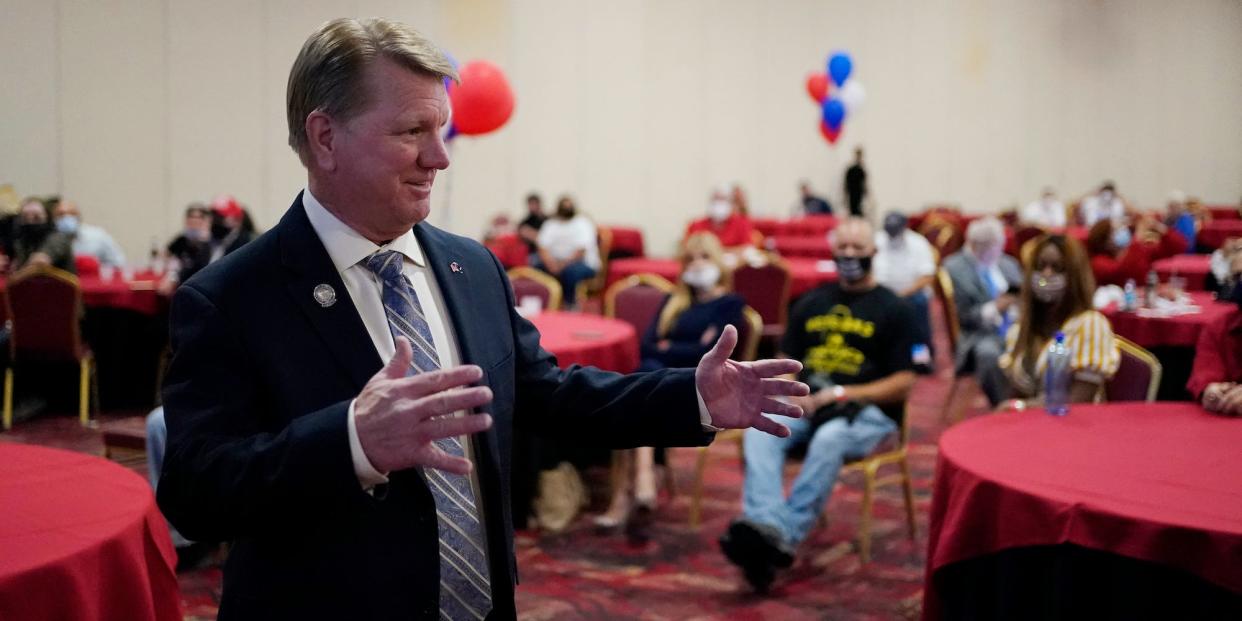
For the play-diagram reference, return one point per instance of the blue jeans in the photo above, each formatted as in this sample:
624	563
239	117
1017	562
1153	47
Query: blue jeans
157	441
570	276
834	442
922	317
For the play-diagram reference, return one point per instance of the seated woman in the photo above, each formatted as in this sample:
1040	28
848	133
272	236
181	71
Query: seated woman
1216	377
726	220
1220	264
684	330
1117	256
1056	297
568	247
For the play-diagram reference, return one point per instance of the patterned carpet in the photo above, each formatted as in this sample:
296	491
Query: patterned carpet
681	574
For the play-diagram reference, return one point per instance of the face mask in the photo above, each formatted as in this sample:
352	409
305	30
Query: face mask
219	230
719	210
67	224
32	233
198	235
702	277
565	213
896	241
1106	196
1049	289
989	256
853	269
1121	237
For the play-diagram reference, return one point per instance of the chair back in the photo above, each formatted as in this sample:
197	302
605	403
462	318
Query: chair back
1024	234
44	305
748	335
765	288
595	284
637	300
528	281
1138	377
945	234
944	290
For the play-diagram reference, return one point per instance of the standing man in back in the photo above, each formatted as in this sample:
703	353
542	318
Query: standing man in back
856	183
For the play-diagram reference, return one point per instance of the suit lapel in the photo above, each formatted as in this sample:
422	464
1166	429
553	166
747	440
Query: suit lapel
338	325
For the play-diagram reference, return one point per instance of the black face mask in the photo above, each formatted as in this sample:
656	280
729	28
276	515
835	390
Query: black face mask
853	269
219	230
33	233
565	213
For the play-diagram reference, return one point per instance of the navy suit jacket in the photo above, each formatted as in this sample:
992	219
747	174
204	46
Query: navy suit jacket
256	398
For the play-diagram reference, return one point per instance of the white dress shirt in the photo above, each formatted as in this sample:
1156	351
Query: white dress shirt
349	250
1095	208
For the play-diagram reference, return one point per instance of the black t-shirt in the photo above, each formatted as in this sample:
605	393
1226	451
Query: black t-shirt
534	221
853	338
191	254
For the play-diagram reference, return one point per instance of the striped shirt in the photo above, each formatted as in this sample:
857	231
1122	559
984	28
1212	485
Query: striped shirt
1094	354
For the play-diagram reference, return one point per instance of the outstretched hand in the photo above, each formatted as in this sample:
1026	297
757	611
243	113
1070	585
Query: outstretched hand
738	393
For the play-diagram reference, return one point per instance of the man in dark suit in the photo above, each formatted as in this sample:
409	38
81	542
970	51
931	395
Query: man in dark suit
352	488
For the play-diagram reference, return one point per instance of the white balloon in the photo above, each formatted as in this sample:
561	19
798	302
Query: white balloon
853	95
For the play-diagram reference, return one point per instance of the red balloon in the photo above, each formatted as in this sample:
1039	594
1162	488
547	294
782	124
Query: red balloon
829	133
817	87
483	101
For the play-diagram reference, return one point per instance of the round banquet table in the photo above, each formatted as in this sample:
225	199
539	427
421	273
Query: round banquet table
588	340
137	294
1214	233
806	273
81	538
1156	483
808	246
1193	267
1175	331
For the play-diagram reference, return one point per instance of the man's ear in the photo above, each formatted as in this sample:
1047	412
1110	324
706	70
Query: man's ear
320	140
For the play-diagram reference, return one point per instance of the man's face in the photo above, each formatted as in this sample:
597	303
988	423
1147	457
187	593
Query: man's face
67	208
854	239
386	157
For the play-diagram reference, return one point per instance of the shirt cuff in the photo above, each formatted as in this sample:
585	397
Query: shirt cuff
991	316
368	476
705	418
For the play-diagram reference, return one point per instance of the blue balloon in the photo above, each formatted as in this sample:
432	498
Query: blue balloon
834	113
839	67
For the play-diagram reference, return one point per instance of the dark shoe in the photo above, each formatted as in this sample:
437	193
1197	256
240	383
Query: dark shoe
758	549
638	527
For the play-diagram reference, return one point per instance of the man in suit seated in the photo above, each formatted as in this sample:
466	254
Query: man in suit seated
853	339
344	389
985	286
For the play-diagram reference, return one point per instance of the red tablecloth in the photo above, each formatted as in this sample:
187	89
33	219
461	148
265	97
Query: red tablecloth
810	246
138	294
81	538
1193	267
588	340
807	226
1225	212
1178	331
627	241
806	273
1157	482
1214	233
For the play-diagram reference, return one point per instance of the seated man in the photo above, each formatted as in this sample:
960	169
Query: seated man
985	280
568	248
811	204
906	264
854	339
88	239
1047	212
1104	204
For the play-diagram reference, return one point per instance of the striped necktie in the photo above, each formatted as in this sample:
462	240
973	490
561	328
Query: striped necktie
465	589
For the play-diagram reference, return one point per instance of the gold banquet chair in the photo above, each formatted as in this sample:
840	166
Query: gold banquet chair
44	306
528	281
747	350
890	452
1138	377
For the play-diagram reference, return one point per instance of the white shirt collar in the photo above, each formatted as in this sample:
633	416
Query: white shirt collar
347	247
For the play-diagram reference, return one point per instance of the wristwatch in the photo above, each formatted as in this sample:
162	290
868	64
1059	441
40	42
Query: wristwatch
838	393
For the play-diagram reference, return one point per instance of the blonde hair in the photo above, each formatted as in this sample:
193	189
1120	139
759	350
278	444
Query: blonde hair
328	74
681	299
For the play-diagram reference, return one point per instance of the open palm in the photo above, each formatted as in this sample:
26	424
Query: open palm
738	393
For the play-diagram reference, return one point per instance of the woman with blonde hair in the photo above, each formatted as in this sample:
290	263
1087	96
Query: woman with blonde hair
1057	288
685	329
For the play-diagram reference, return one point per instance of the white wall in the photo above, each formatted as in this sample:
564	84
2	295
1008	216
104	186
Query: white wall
136	107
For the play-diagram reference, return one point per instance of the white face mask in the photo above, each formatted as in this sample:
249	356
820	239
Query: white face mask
719	210
1106	196
1050	289
701	277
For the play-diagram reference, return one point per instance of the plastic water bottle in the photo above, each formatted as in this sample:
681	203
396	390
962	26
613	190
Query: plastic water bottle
1130	302
1057	377
1153	283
